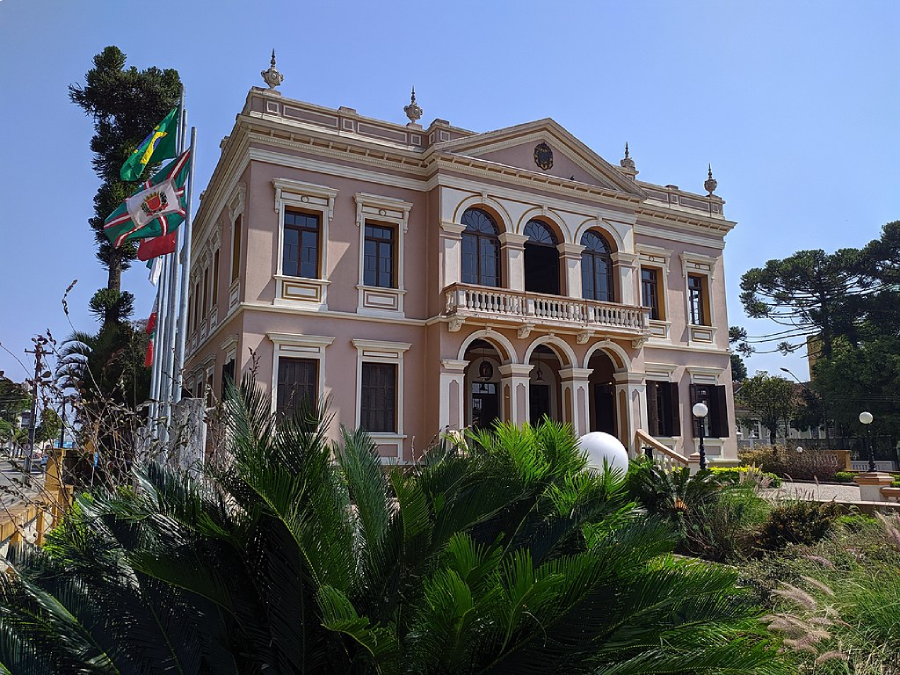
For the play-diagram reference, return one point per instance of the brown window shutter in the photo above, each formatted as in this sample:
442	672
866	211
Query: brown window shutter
652	408
721	427
674	417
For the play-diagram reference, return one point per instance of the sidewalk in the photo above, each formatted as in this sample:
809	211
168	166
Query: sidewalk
814	492
14	486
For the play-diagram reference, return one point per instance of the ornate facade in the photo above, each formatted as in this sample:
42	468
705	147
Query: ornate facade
426	279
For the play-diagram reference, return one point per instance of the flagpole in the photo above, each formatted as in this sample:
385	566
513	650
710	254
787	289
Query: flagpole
168	385
159	348
185	274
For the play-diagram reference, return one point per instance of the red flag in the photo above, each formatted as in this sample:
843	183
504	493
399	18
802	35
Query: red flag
157	246
151	322
148	357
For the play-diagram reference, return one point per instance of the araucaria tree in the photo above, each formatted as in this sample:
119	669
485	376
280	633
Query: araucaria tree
498	555
125	104
845	307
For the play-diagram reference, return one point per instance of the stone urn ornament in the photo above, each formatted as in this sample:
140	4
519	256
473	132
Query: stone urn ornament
271	76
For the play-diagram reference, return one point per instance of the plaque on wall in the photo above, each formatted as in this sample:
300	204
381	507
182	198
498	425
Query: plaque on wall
543	156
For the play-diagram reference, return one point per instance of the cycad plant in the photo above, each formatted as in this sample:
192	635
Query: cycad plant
498	555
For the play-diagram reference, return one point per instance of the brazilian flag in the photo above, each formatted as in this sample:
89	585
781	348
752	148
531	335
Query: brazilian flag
159	145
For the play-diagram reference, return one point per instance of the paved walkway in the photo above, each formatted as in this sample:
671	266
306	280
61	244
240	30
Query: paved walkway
813	492
13	487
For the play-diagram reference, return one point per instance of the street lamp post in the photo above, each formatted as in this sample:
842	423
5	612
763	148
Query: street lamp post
866	419
700	412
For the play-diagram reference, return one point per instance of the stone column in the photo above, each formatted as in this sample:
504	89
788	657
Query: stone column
575	387
514	383
570	259
627	277
632	412
513	256
452	398
451	252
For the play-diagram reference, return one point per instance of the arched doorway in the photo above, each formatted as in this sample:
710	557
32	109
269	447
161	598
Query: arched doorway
482	381
602	394
541	259
544	385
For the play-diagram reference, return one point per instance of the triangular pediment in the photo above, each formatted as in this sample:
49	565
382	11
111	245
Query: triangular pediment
525	147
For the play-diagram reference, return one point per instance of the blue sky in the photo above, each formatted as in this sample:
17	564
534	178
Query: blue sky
796	105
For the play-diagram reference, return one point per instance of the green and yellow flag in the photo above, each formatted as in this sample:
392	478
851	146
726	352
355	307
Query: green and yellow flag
159	145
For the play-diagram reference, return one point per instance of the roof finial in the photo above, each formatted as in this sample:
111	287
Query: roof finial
626	162
413	111
711	183
271	76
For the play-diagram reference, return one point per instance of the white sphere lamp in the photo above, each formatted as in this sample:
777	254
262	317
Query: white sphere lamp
603	450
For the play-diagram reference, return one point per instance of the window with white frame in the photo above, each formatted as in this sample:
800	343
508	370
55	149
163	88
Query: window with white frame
298	369
383	223
379	398
304	213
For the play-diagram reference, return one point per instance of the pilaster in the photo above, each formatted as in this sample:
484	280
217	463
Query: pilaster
513	251
570	255
575	388
452	394
626	264
514	384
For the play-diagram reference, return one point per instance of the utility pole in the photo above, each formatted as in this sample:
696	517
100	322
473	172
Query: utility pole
38	352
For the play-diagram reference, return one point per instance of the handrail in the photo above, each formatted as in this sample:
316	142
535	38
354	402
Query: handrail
538	307
668	458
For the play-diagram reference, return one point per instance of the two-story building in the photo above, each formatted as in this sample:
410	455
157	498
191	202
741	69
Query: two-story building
426	279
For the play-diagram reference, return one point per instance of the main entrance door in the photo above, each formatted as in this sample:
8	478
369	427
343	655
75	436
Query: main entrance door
538	402
485	405
605	408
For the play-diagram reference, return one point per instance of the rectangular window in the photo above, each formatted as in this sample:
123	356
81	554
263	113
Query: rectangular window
378	398
662	409
227	376
204	308
215	280
236	249
300	257
197	305
650	292
715	424
378	256
298	379
697	300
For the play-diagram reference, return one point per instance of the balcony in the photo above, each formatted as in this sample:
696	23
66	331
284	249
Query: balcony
526	311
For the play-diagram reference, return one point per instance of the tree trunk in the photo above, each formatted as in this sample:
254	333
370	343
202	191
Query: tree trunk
772	436
114	282
115	271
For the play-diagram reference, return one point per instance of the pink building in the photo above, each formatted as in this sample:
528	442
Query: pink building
435	278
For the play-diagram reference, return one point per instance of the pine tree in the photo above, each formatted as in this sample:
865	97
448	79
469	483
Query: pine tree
125	104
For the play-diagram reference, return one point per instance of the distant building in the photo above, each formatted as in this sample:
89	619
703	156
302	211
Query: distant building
436	278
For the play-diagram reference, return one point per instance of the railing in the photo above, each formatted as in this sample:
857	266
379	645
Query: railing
662	456
525	307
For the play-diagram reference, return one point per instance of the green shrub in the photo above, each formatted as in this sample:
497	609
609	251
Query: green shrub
844	476
738	474
809	465
715	517
797	522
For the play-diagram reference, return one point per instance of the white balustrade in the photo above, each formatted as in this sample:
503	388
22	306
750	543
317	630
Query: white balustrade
550	309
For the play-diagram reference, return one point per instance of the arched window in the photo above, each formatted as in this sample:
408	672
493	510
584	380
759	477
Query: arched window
596	268
480	249
541	259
